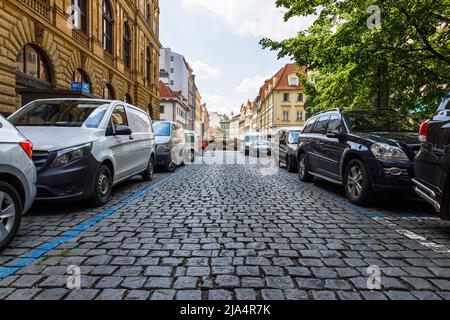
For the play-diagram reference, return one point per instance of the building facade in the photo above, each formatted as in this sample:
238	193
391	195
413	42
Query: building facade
178	75
281	101
173	106
110	46
234	126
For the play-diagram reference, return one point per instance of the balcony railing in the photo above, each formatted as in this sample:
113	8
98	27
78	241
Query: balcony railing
80	37
42	7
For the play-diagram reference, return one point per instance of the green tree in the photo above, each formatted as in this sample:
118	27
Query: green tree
403	62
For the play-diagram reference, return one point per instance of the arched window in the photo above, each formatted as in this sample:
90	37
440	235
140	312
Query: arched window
148	63
33	68
108	92
128	98
126	45
79	14
107	27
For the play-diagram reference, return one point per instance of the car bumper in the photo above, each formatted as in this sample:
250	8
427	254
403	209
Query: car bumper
391	176
74	181
163	158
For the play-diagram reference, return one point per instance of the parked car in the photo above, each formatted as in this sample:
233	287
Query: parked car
192	145
170	145
432	163
367	151
17	180
284	147
260	148
83	147
249	138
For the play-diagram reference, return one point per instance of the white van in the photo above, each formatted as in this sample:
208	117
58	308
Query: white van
249	139
83	147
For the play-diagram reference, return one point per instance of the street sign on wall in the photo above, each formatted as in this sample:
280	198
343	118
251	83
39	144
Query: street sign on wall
80	86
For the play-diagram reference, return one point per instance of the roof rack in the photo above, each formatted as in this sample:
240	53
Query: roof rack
325	111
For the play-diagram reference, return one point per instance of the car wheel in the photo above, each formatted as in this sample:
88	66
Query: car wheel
303	173
147	175
10	214
290	165
192	156
102	187
171	167
357	183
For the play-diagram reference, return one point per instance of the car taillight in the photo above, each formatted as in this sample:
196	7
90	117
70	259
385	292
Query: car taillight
423	132
27	146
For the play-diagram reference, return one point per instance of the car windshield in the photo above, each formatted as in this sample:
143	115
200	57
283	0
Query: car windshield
262	143
293	137
252	138
162	129
61	114
379	121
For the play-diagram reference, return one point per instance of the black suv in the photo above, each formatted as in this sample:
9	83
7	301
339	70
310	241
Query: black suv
433	160
367	151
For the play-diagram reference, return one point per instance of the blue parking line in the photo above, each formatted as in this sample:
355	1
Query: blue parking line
35	254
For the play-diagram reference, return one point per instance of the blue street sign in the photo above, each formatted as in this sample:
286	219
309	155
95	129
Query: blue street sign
80	86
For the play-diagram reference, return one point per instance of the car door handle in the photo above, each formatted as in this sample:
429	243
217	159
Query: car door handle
131	138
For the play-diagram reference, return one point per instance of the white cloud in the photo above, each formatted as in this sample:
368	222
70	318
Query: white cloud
251	85
204	71
220	104
254	18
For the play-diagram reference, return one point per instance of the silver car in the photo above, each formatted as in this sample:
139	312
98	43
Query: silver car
17	180
83	147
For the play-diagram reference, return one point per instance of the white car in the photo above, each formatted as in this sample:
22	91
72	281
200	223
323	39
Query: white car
170	145
17	180
83	147
249	138
192	145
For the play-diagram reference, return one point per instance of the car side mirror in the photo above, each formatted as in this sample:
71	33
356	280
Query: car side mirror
334	134
123	131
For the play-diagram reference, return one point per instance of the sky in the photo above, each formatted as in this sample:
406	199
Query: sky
220	40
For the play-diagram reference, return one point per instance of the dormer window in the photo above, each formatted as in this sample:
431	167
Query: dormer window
293	81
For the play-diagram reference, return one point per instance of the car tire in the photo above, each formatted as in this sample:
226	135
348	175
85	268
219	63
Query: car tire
358	187
147	175
102	186
192	156
11	208
171	167
445	204
290	165
303	173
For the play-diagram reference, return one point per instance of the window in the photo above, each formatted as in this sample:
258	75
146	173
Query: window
119	117
321	126
299	116
161	109
285	115
172	82
300	97
285	97
128	98
335	123
108	92
148	63
107	27
139	121
79	15
172	70
126	45
149	14
309	125
32	63
172	58
293	81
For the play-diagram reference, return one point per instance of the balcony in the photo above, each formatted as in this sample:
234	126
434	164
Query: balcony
41	7
81	37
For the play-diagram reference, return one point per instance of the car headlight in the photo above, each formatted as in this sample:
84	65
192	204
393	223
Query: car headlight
383	151
69	155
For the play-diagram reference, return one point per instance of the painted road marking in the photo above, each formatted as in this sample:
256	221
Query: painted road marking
35	254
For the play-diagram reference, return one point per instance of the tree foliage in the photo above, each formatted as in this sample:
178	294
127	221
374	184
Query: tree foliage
406	58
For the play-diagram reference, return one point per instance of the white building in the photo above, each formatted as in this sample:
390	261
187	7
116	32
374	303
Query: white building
173	106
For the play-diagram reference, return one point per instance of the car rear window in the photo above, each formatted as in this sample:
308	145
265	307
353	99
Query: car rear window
322	124
309	125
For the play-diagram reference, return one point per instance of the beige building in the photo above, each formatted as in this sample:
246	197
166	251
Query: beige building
112	46
281	101
234	126
198	121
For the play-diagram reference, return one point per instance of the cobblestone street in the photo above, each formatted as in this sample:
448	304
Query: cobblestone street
229	231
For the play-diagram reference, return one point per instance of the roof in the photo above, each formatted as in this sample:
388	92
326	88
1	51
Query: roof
282	81
166	92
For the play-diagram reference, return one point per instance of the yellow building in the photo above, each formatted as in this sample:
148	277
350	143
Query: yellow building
48	46
198	121
281	101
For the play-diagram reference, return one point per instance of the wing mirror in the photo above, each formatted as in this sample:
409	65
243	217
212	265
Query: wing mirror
334	134
123	131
